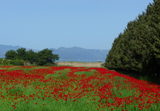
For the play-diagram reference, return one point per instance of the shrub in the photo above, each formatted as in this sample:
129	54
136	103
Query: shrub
48	64
6	62
17	62
1	60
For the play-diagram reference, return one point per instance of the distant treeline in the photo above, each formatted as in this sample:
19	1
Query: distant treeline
138	47
19	56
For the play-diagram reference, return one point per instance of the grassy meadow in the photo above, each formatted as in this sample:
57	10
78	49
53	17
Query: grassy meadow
66	88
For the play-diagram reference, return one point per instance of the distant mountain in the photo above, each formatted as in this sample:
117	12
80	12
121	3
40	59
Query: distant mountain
80	54
67	54
5	48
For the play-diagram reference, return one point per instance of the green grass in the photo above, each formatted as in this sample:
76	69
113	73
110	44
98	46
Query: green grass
14	68
58	74
86	73
50	104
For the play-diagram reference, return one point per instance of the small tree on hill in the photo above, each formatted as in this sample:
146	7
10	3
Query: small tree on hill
46	57
11	54
31	56
21	54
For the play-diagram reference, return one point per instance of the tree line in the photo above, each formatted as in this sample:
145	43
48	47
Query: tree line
44	57
138	47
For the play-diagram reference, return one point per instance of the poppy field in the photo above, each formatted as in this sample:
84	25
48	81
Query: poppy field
33	88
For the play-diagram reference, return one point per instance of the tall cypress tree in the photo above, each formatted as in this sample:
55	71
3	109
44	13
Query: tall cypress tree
138	47
153	40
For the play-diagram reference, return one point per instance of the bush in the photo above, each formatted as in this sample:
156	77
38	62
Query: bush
6	62
48	64
17	62
1	60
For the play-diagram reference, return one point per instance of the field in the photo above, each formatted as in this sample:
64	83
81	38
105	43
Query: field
80	64
66	88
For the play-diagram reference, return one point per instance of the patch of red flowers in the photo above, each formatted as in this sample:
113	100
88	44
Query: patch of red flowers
102	84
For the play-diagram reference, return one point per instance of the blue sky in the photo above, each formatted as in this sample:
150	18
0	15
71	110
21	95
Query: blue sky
90	24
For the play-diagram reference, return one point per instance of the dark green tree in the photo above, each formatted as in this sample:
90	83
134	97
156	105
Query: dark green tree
1	60
11	55
21	54
31	56
153	40
46	57
138	47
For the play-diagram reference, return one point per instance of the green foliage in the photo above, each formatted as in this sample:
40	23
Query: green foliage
48	64
39	83
17	62
42	58
58	74
15	91
31	56
45	57
86	73
21	54
138	47
6	62
1	60
11	55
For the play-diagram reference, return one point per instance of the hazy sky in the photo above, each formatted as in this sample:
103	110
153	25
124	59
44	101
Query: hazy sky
90	24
